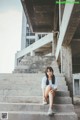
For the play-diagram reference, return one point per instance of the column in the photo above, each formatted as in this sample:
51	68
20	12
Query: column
36	37
54	62
54	43
23	36
32	53
16	60
66	66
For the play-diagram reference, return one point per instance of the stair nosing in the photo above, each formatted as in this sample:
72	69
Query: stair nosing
37	112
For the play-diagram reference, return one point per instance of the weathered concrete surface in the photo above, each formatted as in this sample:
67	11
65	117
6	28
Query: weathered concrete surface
27	88
28	103
77	110
41	14
35	64
40	116
37	107
66	66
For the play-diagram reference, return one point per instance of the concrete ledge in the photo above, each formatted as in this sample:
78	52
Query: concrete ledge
23	93
35	107
33	99
41	116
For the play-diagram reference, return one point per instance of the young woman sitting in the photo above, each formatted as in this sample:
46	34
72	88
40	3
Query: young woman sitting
49	88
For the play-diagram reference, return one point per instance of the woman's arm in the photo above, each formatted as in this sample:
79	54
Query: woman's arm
43	91
43	86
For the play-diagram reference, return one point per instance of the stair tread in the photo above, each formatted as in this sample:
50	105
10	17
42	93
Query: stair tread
38	96
38	112
36	107
6	103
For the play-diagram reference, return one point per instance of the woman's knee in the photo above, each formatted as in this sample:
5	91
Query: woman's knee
52	92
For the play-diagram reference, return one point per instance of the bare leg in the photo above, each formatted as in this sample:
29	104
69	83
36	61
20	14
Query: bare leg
47	90
51	97
43	92
46	94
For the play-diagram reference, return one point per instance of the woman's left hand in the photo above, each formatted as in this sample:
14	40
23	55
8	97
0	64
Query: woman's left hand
52	91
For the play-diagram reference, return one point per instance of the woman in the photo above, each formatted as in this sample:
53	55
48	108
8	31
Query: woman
48	88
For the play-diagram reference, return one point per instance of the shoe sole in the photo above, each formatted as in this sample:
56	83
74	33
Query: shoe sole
51	114
44	104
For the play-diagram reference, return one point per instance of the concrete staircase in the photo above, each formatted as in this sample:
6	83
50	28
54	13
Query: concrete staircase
35	64
21	97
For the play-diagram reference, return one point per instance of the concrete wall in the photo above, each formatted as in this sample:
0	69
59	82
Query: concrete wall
34	64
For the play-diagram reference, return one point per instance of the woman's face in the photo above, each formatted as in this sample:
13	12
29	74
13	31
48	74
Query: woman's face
49	73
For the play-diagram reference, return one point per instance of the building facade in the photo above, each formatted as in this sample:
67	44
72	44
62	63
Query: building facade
60	25
28	37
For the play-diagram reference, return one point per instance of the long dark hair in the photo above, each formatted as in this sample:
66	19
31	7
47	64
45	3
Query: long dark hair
53	77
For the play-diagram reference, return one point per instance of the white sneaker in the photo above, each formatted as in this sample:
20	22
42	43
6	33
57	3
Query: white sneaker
44	102
50	111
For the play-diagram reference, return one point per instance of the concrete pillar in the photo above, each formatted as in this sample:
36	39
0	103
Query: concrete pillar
54	62
36	37
59	14
16	61
23	36
32	53
66	66
54	43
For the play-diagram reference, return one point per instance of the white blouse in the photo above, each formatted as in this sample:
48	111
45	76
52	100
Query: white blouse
43	83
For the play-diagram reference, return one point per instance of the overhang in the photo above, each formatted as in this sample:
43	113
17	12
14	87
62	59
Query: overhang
42	15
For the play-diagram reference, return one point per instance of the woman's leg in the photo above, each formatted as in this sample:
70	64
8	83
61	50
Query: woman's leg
47	90
45	93
51	98
51	93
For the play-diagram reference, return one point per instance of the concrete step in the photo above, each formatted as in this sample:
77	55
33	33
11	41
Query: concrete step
35	107
24	92
17	82
40	116
27	87
62	100
23	79
27	93
21	93
26	75
33	99
27	79
12	82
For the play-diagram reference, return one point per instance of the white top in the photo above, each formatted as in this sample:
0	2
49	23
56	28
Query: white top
43	84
